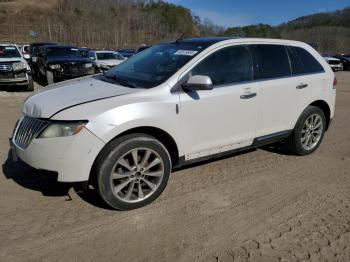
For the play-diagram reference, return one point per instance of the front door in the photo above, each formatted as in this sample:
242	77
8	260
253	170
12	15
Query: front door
224	118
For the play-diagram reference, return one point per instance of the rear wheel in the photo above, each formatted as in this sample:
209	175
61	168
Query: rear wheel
50	77
132	171
308	132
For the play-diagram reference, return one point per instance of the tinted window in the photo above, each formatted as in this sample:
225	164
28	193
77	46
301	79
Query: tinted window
105	56
62	51
273	61
297	65
91	55
310	63
9	52
227	66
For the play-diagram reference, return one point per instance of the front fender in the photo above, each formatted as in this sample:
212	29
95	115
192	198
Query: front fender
114	122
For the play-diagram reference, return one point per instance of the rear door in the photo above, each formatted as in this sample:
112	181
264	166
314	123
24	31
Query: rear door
283	96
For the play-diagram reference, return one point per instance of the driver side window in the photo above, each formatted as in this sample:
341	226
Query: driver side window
230	65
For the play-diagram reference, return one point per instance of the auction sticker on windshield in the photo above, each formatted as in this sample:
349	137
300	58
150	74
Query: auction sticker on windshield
186	52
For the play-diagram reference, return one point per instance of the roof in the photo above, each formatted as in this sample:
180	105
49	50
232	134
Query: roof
103	51
206	40
7	44
42	43
60	46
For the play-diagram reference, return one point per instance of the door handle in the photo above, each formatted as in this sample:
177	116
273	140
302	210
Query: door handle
248	96
301	86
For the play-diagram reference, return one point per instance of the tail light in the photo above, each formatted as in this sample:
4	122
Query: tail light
335	82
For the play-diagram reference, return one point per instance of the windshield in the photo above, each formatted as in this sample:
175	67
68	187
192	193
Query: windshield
53	52
155	65
9	52
106	56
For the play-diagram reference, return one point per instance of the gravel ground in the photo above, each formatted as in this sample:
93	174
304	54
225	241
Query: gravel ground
262	205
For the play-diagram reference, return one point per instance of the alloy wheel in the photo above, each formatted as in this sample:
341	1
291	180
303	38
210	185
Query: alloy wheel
137	175
311	132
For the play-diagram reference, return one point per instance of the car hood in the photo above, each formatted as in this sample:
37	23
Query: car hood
55	98
61	60
110	62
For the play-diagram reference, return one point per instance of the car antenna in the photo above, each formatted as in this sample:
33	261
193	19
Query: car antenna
180	38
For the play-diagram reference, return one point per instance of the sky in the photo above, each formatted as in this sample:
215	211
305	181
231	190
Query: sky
230	13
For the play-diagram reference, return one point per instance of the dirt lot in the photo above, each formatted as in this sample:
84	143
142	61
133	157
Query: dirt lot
263	205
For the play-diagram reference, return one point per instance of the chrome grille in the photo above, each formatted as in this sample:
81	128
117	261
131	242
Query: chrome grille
5	67
28	129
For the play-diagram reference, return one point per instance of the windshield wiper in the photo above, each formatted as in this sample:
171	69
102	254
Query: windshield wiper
121	81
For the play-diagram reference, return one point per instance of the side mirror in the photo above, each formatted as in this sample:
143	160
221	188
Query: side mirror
198	82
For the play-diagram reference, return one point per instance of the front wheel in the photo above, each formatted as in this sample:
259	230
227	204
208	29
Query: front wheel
30	86
308	132
132	171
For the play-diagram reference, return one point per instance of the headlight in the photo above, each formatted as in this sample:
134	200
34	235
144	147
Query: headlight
88	65
60	129
19	66
55	66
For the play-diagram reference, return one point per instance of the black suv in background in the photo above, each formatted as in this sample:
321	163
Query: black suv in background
345	60
33	53
61	62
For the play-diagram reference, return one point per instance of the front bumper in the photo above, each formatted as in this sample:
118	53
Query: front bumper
12	79
71	157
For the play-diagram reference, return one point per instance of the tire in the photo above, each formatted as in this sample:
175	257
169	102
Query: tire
298	142
30	86
124	185
50	77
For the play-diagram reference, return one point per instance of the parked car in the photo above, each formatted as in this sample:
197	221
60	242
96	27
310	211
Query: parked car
105	60
127	53
25	52
33	53
14	69
61	62
345	60
334	63
174	104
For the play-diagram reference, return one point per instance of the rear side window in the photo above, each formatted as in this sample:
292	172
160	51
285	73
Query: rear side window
297	65
272	61
227	66
310	63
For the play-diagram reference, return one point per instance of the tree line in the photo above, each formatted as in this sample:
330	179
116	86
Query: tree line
104	23
130	23
328	32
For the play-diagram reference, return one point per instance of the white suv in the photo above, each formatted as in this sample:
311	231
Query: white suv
173	104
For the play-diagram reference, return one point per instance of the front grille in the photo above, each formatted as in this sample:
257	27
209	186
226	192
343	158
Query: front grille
74	68
331	62
11	75
28	129
6	75
5	67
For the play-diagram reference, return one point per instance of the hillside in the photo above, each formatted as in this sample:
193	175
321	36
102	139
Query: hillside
329	32
125	23
102	23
